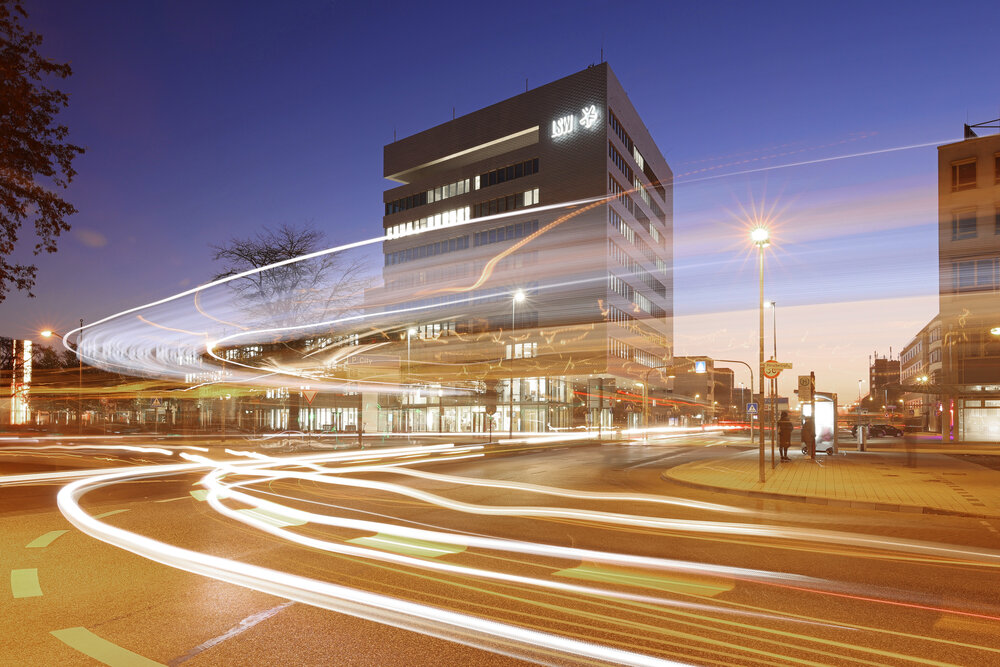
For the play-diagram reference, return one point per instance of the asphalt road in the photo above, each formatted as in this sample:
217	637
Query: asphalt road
503	572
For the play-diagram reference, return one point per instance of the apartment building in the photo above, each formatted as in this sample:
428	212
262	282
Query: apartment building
969	267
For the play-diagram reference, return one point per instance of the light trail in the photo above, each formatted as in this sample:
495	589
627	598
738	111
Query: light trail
233	483
463	628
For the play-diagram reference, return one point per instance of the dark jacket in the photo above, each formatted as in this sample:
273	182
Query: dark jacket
785	427
808	432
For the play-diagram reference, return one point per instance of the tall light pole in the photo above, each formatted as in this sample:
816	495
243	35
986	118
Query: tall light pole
760	236
406	409
516	299
79	378
774	381
859	408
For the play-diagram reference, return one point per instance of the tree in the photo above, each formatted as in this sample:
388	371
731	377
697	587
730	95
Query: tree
297	293
34	154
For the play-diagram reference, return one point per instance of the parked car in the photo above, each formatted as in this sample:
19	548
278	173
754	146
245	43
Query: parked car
878	430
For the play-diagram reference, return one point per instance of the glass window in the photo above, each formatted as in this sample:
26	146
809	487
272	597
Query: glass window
963	225
984	273
966	275
963	175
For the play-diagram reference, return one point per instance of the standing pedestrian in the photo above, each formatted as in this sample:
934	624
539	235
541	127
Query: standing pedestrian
809	437
785	427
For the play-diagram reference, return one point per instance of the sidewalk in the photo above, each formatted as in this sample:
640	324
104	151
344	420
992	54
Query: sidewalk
939	484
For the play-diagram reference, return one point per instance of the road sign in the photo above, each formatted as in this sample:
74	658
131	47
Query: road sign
156	403
805	388
772	368
751	408
309	395
700	366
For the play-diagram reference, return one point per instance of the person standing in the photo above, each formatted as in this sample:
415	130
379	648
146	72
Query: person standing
785	427
809	437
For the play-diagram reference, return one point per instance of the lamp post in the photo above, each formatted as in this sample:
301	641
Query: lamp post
760	236
774	381
406	409
516	299
79	380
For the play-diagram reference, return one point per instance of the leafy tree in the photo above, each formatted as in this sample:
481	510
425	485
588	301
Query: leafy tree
34	154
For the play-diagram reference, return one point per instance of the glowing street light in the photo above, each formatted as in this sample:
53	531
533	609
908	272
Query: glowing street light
760	237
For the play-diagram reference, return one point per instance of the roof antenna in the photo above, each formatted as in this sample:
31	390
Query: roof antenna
525	84
453	113
394	134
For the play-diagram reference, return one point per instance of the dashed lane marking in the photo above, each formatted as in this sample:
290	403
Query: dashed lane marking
674	584
989	526
24	583
111	513
951	622
271	517
101	650
45	540
408	547
199	494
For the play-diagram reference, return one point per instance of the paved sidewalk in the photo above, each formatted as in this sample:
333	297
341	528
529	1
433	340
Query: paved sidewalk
939	484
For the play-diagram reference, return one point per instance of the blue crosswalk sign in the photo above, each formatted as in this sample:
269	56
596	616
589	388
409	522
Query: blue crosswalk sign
751	408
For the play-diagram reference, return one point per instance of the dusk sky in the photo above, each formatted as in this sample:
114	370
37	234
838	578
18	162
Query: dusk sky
207	120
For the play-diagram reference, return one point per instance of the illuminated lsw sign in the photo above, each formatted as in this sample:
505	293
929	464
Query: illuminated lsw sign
568	124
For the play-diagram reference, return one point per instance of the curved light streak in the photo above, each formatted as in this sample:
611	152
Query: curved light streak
453	626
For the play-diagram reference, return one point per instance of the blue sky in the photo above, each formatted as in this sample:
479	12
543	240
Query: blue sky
204	120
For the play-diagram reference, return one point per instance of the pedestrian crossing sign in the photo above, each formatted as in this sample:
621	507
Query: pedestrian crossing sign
751	408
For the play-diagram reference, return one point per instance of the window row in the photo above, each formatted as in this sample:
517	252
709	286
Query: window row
616	190
630	146
428	197
504	204
618	223
976	275
633	325
508	173
619	162
428	250
441	271
965	224
443	219
618	129
963	174
435	330
521	350
625	351
516	231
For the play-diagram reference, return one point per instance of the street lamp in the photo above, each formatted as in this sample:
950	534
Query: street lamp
48	333
517	298
760	237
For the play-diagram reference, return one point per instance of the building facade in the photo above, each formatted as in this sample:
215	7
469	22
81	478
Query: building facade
969	299
528	264
919	374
